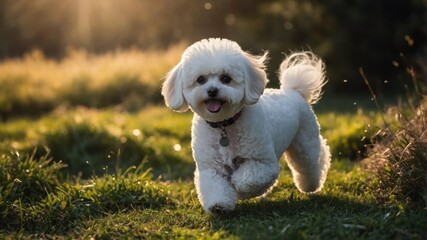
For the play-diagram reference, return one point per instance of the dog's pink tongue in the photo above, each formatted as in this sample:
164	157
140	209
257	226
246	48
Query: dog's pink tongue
213	105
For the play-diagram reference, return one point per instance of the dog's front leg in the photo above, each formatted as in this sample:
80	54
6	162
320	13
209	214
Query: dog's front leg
254	178
214	191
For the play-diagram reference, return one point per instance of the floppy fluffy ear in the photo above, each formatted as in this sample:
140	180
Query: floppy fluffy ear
172	90
255	77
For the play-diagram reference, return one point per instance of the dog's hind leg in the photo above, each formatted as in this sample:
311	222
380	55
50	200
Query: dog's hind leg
308	158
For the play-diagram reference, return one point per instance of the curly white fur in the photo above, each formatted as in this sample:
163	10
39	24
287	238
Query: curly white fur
272	121
304	72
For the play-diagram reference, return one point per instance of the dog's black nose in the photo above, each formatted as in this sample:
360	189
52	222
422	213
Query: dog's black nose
212	92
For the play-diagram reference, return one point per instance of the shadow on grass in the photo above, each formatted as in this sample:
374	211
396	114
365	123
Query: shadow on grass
320	217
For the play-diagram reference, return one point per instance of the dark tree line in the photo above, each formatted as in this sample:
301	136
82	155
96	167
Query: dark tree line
383	36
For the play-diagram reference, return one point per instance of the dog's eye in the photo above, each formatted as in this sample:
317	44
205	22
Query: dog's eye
225	79
201	80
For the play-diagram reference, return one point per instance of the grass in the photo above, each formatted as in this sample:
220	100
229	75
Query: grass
86	157
34	85
112	202
100	141
399	160
348	134
35	198
127	207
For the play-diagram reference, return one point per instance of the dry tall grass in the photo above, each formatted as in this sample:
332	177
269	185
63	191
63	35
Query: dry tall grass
399	160
34	84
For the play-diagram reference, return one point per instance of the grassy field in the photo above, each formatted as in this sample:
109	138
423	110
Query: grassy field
88	151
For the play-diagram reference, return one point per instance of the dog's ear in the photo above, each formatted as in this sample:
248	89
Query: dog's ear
255	76
172	90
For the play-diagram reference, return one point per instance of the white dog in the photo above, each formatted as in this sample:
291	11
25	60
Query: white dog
240	131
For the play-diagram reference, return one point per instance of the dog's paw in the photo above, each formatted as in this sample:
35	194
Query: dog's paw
219	210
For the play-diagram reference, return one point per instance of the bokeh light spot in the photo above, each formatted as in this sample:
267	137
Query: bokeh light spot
136	132
177	147
208	6
230	19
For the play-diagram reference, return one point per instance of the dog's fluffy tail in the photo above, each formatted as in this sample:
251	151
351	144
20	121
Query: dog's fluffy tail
303	72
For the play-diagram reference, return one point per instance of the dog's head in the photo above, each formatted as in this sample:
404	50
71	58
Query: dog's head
215	78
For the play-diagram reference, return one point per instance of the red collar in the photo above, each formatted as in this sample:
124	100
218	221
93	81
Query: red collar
226	122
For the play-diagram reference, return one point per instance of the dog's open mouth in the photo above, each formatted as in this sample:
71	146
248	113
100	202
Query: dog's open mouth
214	105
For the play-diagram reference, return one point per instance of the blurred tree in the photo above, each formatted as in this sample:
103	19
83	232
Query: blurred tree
372	35
348	35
